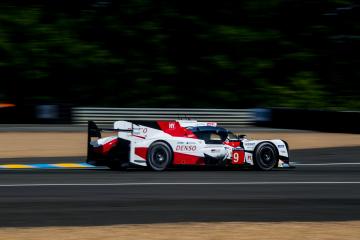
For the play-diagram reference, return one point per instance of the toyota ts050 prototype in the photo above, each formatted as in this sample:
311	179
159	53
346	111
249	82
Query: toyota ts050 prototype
162	144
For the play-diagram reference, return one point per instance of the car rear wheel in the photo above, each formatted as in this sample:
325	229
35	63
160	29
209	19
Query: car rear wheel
265	156
116	166
159	156
115	162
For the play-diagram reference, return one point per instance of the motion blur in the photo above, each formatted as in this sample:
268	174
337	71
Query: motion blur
144	53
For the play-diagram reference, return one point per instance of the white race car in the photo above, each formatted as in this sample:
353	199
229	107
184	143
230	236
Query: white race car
161	144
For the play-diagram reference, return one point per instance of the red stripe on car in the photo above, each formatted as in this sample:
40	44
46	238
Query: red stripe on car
141	152
187	159
174	129
106	147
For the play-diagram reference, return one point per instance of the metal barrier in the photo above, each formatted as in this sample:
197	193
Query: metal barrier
224	117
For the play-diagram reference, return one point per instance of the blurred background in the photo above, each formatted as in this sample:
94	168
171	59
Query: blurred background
302	54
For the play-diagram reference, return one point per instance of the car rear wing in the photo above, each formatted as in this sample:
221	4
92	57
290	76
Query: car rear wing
94	131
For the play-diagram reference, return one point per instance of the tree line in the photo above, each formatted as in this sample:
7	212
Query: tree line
180	53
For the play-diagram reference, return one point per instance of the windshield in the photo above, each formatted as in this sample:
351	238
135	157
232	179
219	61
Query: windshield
213	135
232	137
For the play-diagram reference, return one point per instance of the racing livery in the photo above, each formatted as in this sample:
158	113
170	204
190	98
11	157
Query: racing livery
161	144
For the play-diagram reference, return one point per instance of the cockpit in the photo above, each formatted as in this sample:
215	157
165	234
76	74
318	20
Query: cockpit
213	135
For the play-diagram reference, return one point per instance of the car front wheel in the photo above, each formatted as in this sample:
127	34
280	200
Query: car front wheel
265	156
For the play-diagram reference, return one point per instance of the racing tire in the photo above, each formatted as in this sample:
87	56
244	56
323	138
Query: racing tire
115	163
159	156
116	166
265	156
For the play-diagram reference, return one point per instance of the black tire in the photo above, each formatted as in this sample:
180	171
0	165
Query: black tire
116	166
115	162
265	156
159	156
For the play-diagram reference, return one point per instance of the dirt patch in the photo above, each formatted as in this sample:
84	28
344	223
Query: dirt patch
193	231
55	144
42	144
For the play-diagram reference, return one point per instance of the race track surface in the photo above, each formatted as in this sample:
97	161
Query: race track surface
319	189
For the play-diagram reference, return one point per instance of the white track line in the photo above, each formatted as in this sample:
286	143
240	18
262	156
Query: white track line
324	164
167	184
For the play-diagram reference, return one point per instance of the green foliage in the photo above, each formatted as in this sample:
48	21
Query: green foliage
302	91
149	53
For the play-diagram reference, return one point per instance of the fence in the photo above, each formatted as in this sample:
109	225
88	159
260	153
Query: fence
224	117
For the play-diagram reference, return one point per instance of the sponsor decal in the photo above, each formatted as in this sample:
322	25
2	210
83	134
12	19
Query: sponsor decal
171	125
250	144
186	148
188	143
215	150
145	130
281	146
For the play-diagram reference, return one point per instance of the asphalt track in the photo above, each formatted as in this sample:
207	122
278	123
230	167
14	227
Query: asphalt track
325	186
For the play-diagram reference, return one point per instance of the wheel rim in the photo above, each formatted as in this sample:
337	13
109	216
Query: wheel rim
267	157
159	157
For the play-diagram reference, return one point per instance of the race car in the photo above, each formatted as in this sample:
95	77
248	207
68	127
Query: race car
159	145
